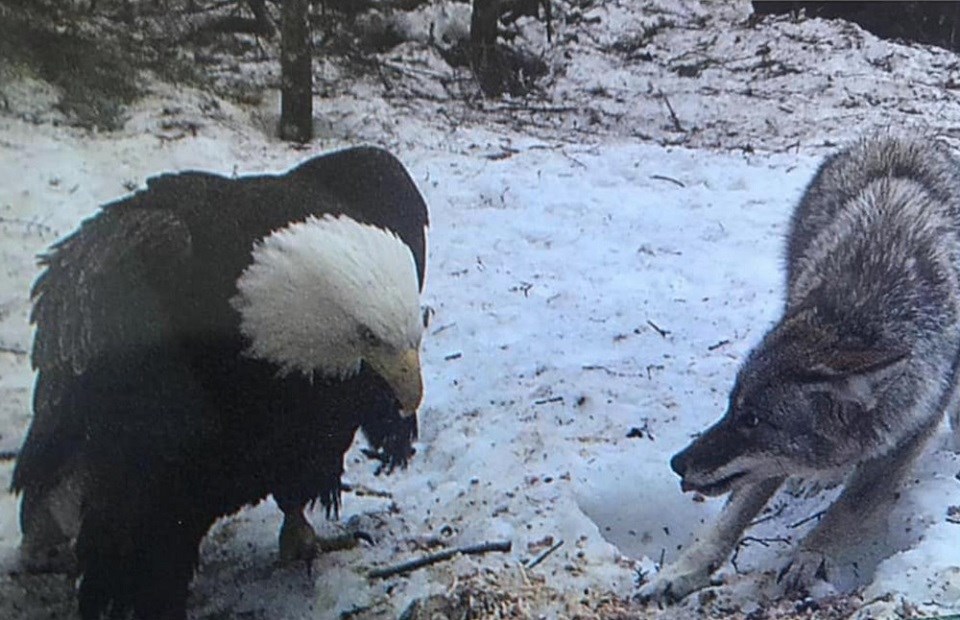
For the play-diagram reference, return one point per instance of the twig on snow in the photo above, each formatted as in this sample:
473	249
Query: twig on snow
610	371
442	328
544	555
745	542
19	352
815	515
441	556
505	153
673	115
663	332
361	490
770	517
661	177
575	161
525	107
8	455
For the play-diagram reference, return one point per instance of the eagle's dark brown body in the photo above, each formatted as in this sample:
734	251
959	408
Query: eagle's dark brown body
143	389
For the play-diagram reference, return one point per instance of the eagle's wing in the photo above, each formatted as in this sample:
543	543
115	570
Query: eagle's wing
108	286
107	290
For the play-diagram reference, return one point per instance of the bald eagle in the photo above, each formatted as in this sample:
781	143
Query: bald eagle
207	342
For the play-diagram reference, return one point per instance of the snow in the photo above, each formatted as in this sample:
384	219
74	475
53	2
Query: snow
586	285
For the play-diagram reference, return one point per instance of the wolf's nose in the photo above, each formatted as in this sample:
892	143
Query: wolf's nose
679	463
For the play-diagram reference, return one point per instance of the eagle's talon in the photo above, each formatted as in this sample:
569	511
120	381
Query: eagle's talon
340	542
300	542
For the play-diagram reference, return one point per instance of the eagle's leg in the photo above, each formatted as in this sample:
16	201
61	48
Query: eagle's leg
298	539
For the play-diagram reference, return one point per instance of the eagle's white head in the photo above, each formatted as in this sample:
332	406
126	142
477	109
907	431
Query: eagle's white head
322	295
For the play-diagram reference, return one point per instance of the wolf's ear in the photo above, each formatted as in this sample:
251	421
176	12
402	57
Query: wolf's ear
859	375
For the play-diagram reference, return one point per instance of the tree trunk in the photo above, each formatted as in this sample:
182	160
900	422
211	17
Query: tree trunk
484	56
296	98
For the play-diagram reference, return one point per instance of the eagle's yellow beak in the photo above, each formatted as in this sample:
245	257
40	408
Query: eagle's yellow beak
402	372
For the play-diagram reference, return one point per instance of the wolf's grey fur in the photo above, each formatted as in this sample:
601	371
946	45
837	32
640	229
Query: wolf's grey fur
858	372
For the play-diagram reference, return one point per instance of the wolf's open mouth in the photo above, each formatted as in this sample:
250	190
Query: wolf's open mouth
716	488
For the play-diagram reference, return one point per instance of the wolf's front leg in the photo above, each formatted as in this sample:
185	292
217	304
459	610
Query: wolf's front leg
692	570
858	514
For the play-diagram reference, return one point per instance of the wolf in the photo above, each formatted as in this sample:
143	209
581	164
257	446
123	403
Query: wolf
857	374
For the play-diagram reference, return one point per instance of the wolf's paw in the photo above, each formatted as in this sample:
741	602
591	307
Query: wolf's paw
808	574
674	582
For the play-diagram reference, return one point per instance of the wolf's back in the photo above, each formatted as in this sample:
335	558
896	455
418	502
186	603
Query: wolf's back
845	175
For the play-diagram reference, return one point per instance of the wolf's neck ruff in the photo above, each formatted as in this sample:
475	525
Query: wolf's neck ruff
314	287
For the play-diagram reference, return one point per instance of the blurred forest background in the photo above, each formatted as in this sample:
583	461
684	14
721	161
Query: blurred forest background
95	52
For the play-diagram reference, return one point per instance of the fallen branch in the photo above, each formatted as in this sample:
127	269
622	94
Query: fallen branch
663	332
524	107
814	516
770	517
661	177
442	328
610	371
364	491
746	540
8	455
544	555
673	115
441	556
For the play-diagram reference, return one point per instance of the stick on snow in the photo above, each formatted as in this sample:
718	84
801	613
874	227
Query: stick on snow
544	555
427	560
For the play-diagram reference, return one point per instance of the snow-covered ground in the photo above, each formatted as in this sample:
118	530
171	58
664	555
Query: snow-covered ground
594	295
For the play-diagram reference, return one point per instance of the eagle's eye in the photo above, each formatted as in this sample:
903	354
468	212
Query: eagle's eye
367	336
